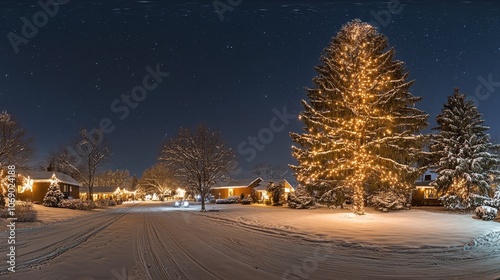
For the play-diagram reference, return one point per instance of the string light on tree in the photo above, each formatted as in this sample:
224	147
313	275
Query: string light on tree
362	127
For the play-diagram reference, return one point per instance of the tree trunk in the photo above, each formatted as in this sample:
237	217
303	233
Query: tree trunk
358	199
202	201
91	194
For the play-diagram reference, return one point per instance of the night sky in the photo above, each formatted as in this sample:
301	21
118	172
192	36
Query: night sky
229	73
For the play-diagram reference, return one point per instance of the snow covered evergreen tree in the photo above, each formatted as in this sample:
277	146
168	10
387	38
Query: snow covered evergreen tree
276	192
465	160
54	196
362	127
300	199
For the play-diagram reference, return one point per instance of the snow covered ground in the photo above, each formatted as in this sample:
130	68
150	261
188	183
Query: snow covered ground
156	241
424	226
47	215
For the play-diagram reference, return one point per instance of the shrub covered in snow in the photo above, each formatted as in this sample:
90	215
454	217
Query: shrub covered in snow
335	198
24	212
54	196
78	204
300	199
105	202
246	201
385	200
486	213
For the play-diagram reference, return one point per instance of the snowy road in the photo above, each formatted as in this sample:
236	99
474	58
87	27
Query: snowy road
156	241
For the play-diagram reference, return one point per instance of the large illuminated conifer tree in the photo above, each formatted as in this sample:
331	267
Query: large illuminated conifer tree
362	126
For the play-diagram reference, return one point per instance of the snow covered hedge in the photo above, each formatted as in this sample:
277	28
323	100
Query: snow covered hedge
105	202
24	212
486	213
78	204
386	200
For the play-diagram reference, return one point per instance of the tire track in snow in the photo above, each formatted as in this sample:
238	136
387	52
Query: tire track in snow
151	241
31	252
186	252
239	243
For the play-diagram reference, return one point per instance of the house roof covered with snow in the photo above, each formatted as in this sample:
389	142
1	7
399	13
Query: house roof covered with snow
45	176
240	183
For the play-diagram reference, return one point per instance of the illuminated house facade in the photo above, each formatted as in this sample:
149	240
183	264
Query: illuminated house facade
109	192
33	185
235	188
425	194
245	187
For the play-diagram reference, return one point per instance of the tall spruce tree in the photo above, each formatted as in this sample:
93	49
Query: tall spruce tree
362	127
465	158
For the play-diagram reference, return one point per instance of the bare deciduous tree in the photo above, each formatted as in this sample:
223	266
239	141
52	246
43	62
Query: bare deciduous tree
90	151
159	177
200	157
267	171
15	146
113	178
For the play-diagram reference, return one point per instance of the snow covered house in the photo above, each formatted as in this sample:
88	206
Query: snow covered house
245	187
107	192
103	192
33	185
424	193
235	187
